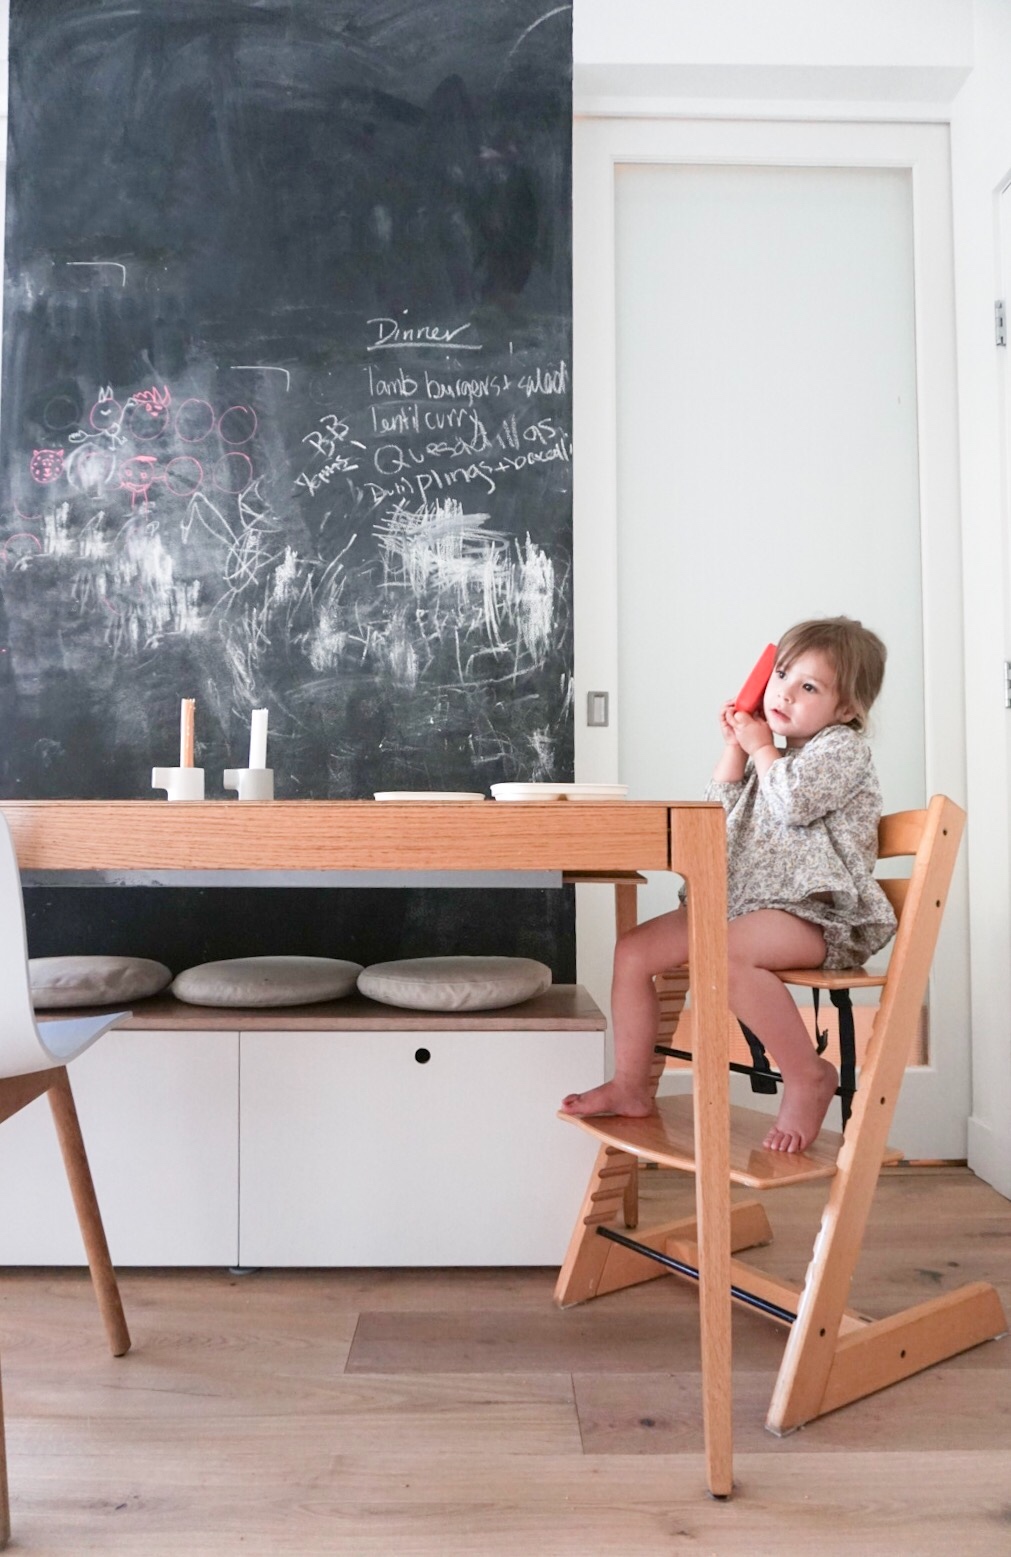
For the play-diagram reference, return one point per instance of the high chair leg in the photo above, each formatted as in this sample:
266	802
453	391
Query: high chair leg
594	1266
582	1272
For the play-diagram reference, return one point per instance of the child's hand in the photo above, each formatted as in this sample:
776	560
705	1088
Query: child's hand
727	724
750	733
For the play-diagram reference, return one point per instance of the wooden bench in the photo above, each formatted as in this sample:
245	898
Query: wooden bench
341	1133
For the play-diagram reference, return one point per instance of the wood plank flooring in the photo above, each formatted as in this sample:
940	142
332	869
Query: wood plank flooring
423	1413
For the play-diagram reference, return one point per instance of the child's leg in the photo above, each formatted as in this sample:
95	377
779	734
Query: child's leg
648	949
757	943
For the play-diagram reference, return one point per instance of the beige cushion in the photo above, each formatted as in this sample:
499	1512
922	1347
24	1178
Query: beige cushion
455	983
266	981
93	981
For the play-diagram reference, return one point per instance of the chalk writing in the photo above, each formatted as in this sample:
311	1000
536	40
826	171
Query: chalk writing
389	333
168	515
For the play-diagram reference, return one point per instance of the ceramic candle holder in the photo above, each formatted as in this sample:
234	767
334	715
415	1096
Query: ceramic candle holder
251	783
181	783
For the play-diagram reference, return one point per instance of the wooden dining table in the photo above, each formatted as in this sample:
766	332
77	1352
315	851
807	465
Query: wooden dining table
606	841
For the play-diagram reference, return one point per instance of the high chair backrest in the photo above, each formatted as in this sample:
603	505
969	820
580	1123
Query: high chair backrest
921	834
21	1049
932	836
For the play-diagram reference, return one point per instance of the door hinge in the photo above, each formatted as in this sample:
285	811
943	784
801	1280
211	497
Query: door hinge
1007	683
1000	322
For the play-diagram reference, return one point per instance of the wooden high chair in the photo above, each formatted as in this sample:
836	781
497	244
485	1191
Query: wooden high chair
834	1355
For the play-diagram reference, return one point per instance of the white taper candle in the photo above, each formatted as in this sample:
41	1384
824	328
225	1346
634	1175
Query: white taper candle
258	739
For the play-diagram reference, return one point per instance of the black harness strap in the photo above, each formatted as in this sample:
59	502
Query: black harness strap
761	1074
761	1080
840	998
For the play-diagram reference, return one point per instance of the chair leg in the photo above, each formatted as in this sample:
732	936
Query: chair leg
582	1272
626	917
75	1160
594	1266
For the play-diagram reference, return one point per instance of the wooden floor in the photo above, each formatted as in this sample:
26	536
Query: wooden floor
443	1412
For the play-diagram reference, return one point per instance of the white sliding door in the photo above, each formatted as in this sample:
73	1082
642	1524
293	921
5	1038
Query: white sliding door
774	303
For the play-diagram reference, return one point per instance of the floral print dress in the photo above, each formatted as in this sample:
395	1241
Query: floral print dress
805	838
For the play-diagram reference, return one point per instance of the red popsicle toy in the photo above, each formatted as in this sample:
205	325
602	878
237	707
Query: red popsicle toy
749	698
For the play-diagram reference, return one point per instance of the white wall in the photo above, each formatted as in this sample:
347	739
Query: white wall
685	57
776	32
942	60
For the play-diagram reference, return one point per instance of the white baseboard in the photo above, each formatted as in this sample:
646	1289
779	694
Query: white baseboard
990	1155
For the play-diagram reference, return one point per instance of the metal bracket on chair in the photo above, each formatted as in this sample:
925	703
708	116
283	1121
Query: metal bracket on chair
740	1293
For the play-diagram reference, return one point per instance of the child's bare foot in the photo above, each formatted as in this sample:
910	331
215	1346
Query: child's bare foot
802	1111
614	1097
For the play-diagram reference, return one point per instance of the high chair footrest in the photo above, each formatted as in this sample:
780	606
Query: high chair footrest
668	1137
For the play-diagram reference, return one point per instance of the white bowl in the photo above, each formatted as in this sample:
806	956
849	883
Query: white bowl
559	791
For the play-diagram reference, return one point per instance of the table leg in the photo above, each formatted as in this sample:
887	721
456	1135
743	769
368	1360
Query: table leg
626	917
698	852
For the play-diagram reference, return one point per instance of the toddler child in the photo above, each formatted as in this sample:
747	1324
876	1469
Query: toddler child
802	826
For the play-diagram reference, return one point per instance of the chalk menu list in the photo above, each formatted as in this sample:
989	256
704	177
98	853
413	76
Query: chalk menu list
286	423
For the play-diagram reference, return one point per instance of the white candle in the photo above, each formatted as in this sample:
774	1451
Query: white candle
258	739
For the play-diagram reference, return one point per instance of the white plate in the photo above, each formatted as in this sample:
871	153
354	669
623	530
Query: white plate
426	794
559	791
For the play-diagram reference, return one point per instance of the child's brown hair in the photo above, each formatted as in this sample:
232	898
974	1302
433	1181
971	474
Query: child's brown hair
857	654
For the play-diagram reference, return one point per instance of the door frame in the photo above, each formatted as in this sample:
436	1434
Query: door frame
600	144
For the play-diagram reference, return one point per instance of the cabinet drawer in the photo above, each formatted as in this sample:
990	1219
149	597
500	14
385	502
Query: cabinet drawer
411	1148
159	1116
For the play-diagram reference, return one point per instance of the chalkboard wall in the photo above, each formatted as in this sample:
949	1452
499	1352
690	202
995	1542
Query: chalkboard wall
286	423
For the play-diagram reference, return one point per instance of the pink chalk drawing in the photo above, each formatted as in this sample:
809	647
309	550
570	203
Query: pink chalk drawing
153	400
194	420
237	424
138	474
233	473
106	413
183	475
147	412
46	465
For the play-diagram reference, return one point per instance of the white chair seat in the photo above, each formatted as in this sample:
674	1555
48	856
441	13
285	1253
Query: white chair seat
65	1037
23	1050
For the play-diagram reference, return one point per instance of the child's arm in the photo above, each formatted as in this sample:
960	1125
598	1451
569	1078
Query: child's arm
755	739
730	768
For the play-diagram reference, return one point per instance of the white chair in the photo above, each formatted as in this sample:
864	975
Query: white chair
33	1060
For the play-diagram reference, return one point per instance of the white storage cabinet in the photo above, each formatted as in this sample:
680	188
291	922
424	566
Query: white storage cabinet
317	1136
